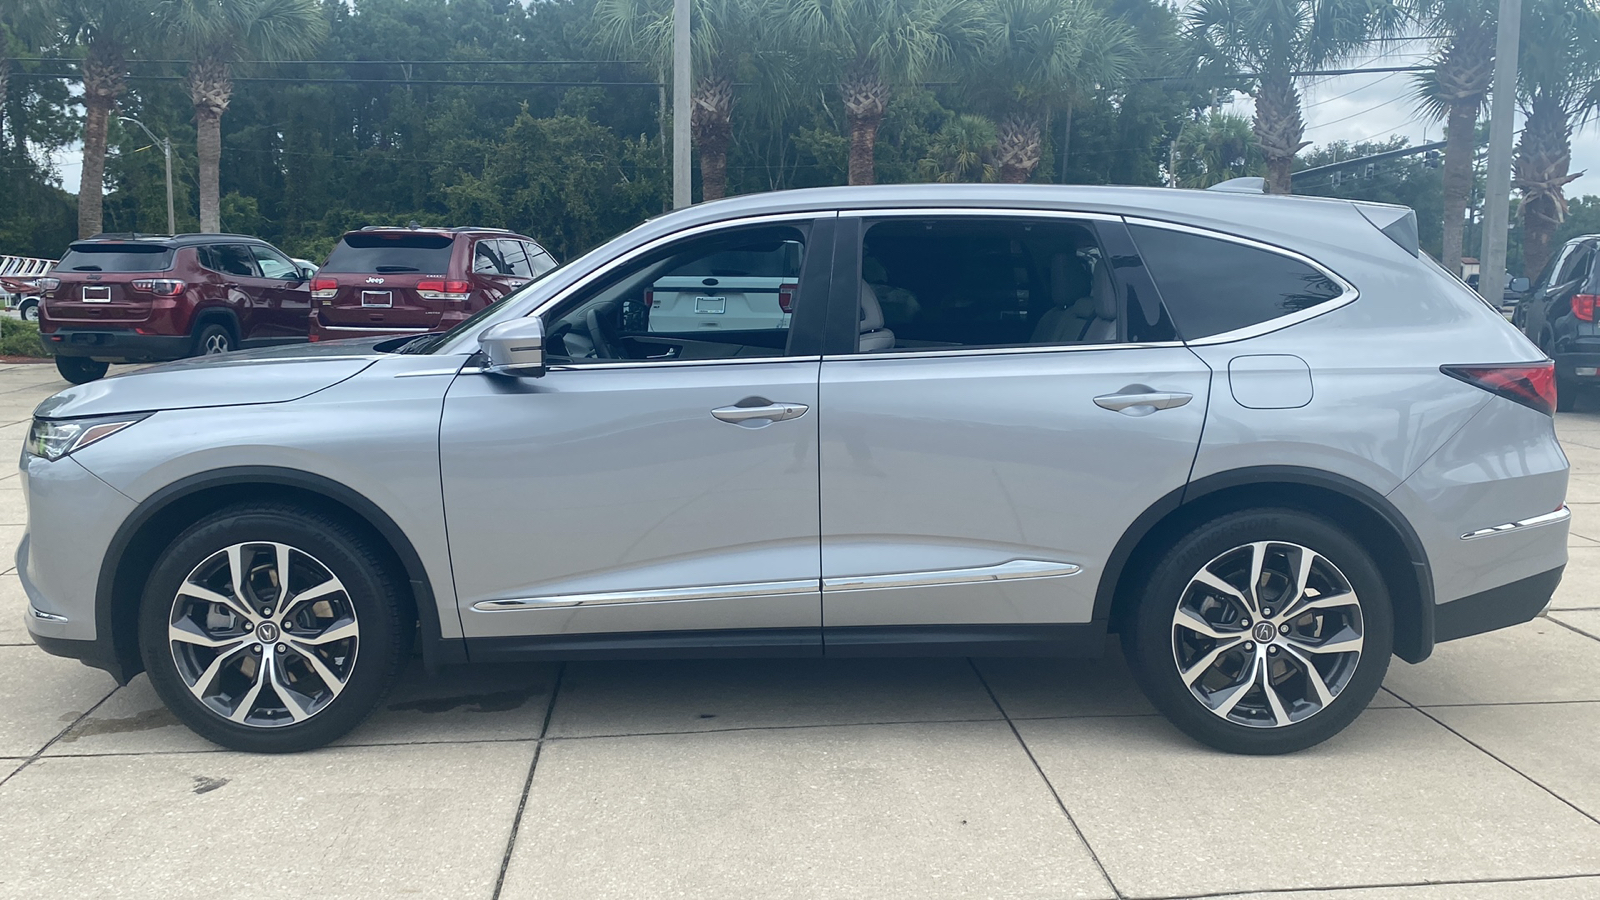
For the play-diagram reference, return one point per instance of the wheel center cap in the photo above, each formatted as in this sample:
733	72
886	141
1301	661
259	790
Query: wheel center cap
267	632
1263	632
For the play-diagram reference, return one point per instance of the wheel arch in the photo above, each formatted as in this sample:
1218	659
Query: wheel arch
221	315
1372	519
163	515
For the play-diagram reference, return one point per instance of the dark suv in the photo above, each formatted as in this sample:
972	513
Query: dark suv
143	298
1558	313
405	280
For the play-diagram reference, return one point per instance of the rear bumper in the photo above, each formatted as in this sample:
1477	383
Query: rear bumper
1501	607
124	346
1568	364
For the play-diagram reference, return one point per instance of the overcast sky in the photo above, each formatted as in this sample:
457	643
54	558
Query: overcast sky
1344	107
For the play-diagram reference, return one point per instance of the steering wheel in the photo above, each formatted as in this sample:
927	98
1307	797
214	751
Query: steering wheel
604	346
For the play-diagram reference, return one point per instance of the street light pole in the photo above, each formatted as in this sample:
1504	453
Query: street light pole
681	183
1497	191
166	151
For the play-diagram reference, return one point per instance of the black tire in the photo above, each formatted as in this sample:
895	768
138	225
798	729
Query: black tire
1566	394
28	311
1152	643
371	593
81	369
214	338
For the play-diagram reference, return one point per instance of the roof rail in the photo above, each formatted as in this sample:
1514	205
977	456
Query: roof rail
481	228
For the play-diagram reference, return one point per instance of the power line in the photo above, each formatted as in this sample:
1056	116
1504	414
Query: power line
1352	91
1357	114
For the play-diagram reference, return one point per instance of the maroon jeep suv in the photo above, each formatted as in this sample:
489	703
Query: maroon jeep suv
394	281
142	298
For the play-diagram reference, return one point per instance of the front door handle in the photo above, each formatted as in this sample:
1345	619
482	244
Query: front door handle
1131	399
772	412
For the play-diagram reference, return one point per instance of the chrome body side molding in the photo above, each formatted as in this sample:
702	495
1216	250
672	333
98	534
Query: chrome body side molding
1007	571
1549	518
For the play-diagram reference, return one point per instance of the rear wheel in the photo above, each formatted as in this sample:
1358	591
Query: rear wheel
214	338
269	628
29	310
1263	631
81	369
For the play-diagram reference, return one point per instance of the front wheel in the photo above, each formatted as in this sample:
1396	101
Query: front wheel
81	369
268	628
1264	631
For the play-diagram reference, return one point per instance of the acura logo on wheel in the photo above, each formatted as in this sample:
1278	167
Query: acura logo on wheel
1264	632
374	280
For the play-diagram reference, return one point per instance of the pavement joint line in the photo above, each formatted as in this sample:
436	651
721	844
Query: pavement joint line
1116	891
1323	889
1573	628
738	728
61	734
1485	751
527	786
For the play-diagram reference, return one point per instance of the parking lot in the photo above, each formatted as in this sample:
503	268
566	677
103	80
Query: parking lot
1476	775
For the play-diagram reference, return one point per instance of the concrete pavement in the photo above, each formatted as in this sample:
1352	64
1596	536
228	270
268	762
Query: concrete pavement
1476	776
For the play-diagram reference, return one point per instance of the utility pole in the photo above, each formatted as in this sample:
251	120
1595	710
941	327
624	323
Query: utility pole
1497	192
166	150
681	183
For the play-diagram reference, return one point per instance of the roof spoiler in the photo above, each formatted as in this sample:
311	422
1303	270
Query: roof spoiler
1398	222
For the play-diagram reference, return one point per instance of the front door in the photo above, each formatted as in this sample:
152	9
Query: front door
1003	416
643	484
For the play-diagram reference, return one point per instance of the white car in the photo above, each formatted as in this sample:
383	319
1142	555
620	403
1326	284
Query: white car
747	289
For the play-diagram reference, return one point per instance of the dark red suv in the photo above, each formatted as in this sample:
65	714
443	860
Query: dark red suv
142	298
387	281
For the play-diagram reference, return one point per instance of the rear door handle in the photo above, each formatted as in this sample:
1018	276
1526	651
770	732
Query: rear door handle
773	412
1131	401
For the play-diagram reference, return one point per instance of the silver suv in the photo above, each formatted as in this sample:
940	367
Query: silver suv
1263	439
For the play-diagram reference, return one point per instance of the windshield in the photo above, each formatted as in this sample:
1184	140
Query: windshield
389	251
115	258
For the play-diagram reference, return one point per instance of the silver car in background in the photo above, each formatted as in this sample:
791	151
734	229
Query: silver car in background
1263	439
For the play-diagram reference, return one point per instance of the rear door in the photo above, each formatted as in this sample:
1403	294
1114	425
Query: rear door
492	277
998	419
247	293
288	295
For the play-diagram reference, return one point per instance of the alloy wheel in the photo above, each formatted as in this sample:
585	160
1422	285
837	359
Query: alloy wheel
216	342
1267	634
263	634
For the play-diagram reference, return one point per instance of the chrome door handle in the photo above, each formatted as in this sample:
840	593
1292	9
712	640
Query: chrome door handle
775	412
1153	399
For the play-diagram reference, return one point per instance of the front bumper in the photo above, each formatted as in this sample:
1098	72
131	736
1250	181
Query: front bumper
117	346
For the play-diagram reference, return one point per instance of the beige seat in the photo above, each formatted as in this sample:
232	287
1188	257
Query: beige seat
874	337
1103	328
1072	308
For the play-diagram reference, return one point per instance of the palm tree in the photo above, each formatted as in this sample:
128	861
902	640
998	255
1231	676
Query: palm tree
1037	55
870	47
962	150
1559	88
1270	41
1455	88
1214	149
217	34
108	30
727	37
27	24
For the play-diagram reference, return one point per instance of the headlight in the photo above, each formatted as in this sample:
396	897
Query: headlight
54	439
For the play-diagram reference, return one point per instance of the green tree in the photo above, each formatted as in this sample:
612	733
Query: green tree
1213	149
1412	181
963	150
1036	56
1454	89
870	48
25	25
1559	88
108	30
217	35
1269	41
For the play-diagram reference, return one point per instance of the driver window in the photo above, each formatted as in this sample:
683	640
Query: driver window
729	295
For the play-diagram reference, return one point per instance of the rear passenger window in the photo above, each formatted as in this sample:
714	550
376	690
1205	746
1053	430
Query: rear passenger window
515	259
1211	286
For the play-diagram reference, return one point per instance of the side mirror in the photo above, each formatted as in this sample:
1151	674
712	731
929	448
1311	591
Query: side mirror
514	348
1519	285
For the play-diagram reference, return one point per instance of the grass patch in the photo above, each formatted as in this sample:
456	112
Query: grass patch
19	338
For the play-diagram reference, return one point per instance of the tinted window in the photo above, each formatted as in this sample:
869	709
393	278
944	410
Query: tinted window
230	259
542	261
969	282
515	258
486	259
384	251
272	264
115	258
1211	286
1576	265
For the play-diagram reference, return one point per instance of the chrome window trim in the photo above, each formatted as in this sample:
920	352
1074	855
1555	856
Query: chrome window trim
1015	570
394	328
1348	293
986	211
937	353
1549	518
617	262
663	595
672	363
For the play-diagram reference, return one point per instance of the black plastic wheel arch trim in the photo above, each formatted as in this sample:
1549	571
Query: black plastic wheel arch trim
123	658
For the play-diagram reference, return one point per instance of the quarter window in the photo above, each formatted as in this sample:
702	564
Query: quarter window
960	282
1211	286
732	294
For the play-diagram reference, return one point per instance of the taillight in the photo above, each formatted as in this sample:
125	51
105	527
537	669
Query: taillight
434	289
47	284
324	288
1531	384
786	294
1583	306
649	299
161	287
